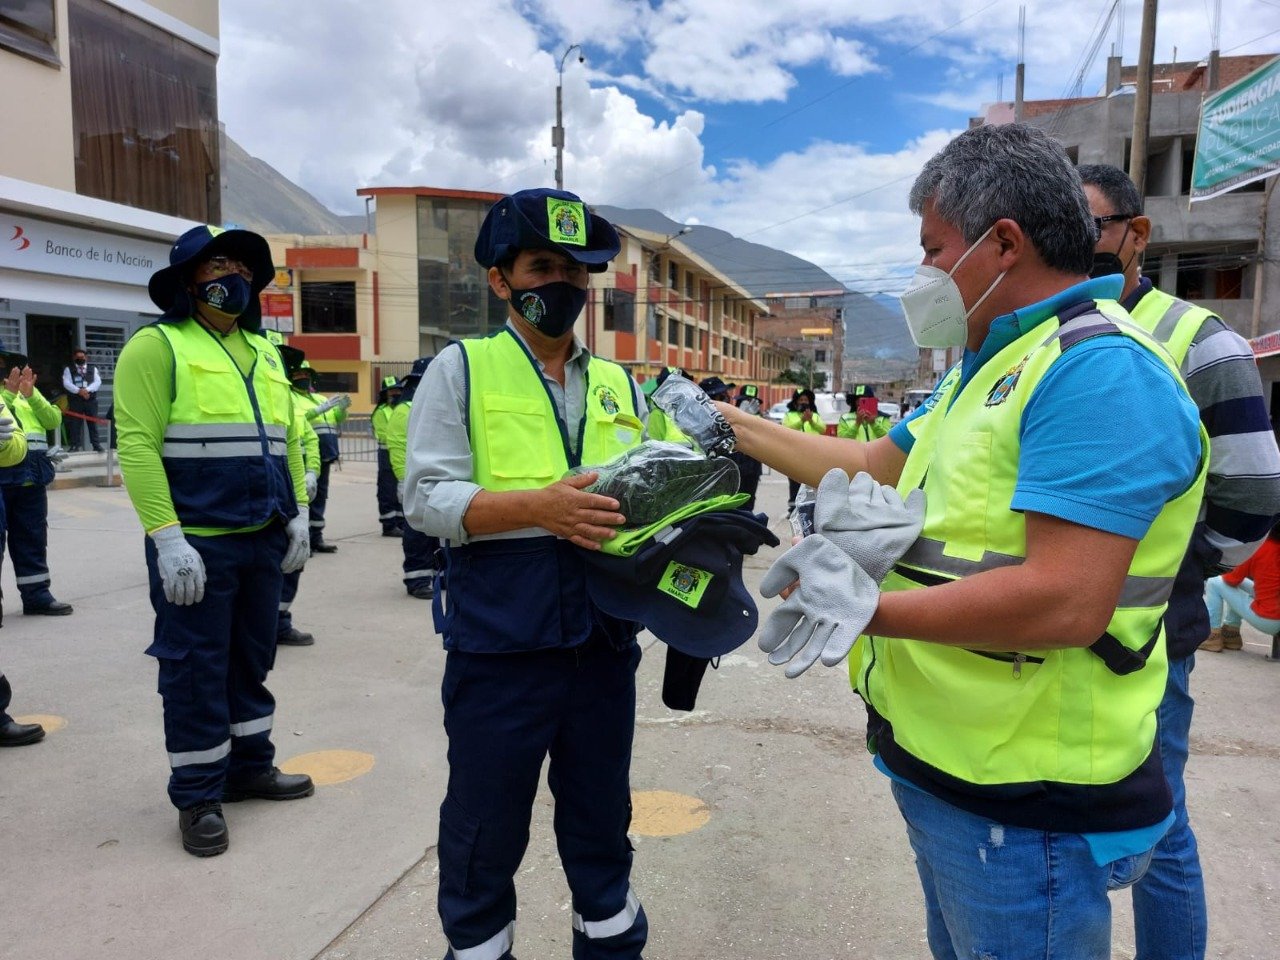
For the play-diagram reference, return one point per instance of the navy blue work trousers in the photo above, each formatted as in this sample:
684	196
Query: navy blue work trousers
315	516
26	510
288	590
419	557
390	514
504	713
214	657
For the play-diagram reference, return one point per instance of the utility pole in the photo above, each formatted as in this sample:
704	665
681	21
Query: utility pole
557	132
1211	81
1142	99
1020	76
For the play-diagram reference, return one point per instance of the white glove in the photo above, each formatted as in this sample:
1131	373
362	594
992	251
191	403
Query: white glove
181	567
830	606
342	401
312	483
400	491
325	407
57	455
299	548
867	520
295	555
6	429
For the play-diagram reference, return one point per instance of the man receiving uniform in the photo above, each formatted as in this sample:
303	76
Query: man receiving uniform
419	549
212	460
24	487
1242	499
389	513
324	414
532	667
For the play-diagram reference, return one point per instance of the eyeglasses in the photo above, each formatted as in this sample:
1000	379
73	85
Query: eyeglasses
225	265
1100	222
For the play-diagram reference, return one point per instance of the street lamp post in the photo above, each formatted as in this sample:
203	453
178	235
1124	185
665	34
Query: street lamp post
557	132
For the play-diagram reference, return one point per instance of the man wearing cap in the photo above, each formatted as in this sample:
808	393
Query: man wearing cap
212	460
324	414
81	381
419	549
389	513
24	487
532	668
859	424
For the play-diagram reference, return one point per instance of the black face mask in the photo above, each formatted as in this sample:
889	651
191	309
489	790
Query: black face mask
1105	264
551	308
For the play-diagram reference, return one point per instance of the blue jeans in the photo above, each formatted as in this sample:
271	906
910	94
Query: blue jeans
1169	913
1238	604
1009	893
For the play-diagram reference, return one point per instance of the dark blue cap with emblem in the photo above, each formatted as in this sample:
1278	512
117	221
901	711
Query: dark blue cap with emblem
545	219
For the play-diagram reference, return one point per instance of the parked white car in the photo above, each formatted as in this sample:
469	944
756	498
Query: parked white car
777	411
891	410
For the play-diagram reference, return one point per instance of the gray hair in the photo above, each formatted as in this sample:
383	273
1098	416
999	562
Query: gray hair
1012	171
1114	184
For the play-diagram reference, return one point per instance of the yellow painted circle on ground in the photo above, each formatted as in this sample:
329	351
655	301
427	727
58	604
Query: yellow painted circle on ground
328	767
661	813
50	723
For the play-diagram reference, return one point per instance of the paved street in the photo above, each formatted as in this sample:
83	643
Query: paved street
762	829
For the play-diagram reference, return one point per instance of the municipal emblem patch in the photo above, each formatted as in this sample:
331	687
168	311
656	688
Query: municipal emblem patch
271	362
608	400
566	222
684	583
215	295
532	308
1004	386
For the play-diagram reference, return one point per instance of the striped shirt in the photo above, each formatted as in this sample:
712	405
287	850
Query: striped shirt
1242	494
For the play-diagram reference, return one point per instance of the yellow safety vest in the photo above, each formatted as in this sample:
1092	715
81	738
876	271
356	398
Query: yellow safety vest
225	449
1172	323
979	723
518	441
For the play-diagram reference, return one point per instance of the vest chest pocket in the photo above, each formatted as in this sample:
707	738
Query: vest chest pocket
968	477
218	391
274	400
519	437
608	434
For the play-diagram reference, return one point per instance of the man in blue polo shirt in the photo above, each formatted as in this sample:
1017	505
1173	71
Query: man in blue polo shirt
1007	622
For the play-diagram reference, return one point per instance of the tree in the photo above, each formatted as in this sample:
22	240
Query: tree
804	375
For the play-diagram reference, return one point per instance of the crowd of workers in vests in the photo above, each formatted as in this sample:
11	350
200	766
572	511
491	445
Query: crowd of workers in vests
1017	595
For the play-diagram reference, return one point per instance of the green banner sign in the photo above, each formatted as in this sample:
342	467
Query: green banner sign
1239	139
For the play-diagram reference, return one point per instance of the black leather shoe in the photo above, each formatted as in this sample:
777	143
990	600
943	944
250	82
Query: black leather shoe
270	785
204	831
55	609
423	591
319	546
15	734
295	638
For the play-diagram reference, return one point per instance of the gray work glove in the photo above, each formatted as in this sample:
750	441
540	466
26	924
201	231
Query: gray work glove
181	567
299	549
312	483
342	401
57	455
400	491
831	605
868	520
7	427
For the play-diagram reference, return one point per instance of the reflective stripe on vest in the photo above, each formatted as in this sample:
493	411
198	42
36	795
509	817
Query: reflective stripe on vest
1060	717
225	450
1171	322
517	439
492	949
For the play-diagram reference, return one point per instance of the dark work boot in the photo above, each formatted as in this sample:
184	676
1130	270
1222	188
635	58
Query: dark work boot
269	785
295	638
204	831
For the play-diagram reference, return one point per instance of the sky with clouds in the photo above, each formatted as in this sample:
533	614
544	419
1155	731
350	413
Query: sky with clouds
799	124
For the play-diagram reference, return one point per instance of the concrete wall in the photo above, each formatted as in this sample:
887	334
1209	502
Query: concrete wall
35	116
397	266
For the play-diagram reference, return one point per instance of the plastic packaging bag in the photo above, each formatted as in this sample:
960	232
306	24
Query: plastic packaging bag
692	411
657	478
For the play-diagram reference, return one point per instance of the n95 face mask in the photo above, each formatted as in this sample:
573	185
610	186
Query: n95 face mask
934	307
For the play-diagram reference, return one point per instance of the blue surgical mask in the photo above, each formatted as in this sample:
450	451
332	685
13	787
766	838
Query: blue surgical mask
551	308
228	294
